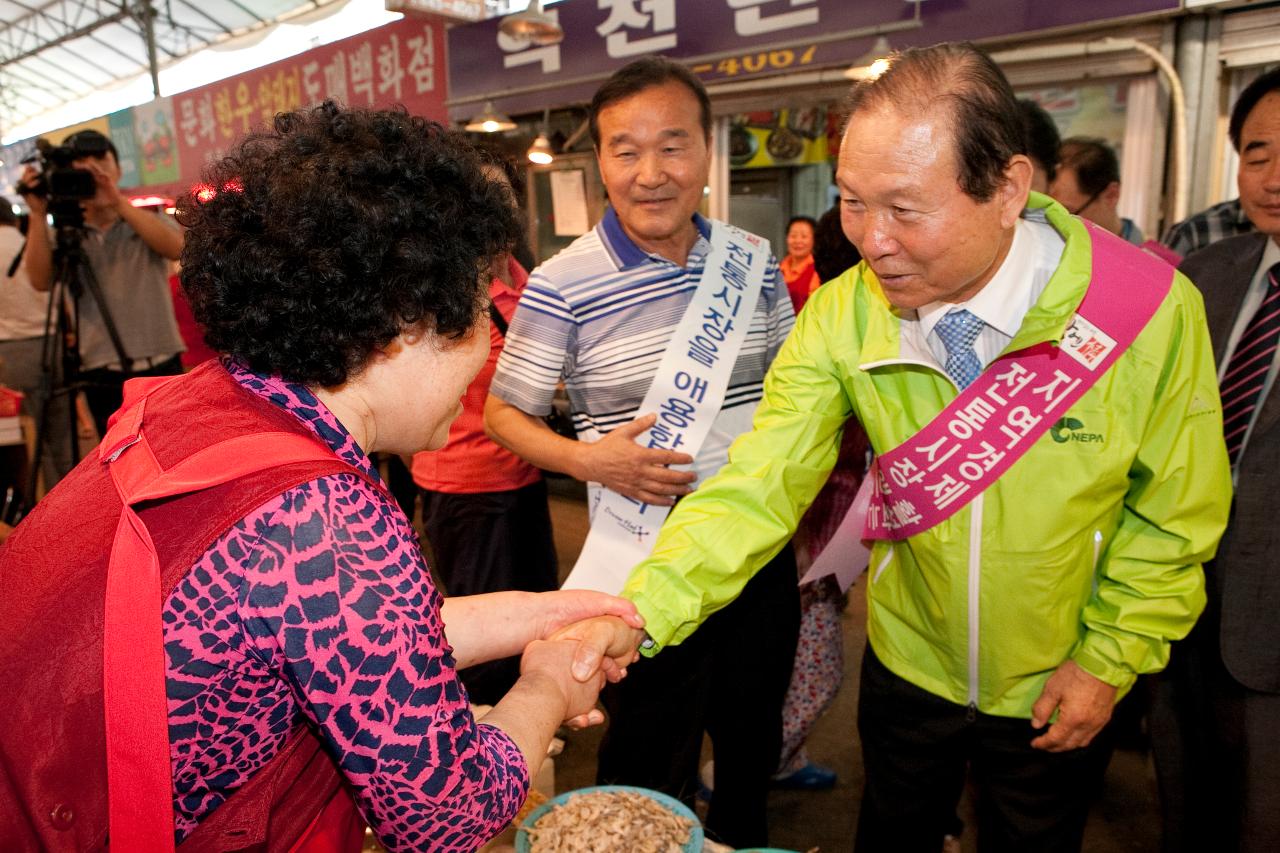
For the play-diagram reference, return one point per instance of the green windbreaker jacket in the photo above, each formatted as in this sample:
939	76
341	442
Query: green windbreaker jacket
1089	547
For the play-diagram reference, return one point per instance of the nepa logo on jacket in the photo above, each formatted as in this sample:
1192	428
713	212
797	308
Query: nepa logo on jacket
1071	429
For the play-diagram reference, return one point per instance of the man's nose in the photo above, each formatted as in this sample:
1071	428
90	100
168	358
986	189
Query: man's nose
877	238
650	171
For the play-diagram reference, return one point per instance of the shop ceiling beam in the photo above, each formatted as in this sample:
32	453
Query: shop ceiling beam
137	24
221	27
11	99
46	12
55	90
196	37
61	71
103	43
175	40
41	30
144	14
16	91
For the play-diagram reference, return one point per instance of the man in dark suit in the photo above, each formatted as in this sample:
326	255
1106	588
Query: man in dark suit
1216	718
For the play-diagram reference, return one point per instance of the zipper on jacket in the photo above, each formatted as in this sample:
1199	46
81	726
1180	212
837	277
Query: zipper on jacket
884	564
1097	555
975	547
975	574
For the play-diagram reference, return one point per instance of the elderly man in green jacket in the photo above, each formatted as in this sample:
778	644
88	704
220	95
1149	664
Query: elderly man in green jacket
1051	472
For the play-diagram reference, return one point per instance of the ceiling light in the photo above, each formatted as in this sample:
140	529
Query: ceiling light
489	120
871	64
533	26
540	152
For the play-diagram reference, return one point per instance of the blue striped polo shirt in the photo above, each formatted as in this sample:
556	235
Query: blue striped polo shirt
599	316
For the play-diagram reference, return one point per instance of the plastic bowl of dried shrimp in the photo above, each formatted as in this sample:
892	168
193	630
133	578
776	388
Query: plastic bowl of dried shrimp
612	818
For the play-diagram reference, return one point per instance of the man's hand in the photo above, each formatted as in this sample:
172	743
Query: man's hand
604	643
1083	703
551	660
38	206
570	613
108	193
642	473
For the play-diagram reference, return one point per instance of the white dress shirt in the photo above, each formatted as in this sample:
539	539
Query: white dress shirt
1005	300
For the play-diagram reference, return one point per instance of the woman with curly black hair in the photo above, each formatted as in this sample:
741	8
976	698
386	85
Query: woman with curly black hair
295	661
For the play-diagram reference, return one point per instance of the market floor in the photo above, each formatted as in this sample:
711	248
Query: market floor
1125	817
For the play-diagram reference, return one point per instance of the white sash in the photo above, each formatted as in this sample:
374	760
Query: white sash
687	392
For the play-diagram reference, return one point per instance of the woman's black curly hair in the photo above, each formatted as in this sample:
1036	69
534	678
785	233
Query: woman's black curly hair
328	236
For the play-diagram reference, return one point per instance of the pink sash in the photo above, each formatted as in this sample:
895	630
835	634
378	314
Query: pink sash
961	452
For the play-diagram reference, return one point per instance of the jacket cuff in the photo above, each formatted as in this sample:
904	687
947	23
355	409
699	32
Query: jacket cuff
1119	677
659	628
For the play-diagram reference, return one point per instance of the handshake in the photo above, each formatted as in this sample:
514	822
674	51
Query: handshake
585	639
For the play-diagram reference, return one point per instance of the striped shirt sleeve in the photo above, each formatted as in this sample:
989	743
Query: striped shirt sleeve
542	334
782	316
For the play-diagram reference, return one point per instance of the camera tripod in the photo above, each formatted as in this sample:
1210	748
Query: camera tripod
73	276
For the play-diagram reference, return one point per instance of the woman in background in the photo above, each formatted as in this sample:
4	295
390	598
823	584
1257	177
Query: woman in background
797	266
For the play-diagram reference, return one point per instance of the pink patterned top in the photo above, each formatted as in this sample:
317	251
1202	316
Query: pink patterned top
318	604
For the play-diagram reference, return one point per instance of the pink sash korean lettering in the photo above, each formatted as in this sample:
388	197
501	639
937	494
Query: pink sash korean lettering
992	423
975	439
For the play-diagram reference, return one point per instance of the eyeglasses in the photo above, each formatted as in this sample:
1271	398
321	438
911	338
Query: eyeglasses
1090	200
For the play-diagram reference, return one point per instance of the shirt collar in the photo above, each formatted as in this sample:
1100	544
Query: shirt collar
996	304
298	401
1270	257
624	250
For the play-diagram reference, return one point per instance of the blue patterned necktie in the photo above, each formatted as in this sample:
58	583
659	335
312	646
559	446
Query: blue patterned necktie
957	331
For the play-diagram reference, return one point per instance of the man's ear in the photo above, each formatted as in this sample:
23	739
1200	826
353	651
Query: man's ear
1111	195
1012	193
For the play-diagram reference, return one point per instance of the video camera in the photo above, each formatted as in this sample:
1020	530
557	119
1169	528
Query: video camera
62	183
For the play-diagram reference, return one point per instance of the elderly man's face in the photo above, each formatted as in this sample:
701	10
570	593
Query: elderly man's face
1259	176
654	161
902	206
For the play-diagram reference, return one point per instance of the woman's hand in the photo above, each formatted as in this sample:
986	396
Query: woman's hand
550	661
500	624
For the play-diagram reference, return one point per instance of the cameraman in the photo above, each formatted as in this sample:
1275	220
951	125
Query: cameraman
128	250
22	330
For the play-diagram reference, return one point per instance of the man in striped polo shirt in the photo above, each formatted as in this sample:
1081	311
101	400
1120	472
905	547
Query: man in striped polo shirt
600	316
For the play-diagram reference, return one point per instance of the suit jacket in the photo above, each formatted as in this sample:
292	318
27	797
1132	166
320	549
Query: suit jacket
1244	578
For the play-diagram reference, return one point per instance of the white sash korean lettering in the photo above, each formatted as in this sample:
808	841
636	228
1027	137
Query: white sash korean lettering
687	392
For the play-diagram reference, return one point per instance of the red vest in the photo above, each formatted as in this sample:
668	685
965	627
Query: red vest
53	568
